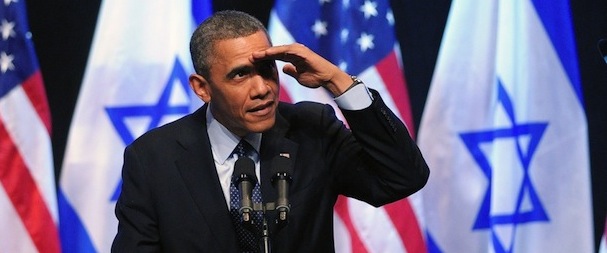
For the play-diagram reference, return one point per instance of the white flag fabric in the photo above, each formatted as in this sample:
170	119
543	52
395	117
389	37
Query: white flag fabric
28	202
136	79
603	245
359	37
504	132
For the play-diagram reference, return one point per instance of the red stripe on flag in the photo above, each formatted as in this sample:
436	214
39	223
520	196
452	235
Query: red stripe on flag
25	196
401	212
34	89
394	81
284	95
343	211
404	220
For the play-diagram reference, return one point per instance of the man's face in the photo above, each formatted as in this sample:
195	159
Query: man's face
242	95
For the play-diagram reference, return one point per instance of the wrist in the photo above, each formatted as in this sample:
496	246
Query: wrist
339	85
355	81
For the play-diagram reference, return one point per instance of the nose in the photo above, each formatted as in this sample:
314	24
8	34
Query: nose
261	87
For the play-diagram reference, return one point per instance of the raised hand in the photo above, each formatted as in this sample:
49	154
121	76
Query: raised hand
307	67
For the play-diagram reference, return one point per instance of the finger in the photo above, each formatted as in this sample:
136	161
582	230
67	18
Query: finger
289	69
285	53
268	53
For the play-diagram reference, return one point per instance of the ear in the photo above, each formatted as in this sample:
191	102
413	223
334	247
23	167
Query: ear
201	87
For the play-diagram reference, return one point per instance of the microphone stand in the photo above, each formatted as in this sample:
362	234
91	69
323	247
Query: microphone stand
281	180
265	242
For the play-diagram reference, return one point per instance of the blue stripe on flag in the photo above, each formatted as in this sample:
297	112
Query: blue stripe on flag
432	246
70	226
201	9
556	18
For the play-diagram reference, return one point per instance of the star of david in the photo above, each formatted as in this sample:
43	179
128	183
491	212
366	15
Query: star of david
527	206
155	112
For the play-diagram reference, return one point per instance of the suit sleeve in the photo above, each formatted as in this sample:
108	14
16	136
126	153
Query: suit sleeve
378	162
137	229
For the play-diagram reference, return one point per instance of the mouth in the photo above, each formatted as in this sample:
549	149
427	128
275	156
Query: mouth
262	109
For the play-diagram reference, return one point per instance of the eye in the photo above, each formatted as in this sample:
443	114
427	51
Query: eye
267	69
239	73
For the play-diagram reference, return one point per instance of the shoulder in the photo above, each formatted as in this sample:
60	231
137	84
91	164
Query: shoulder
165	134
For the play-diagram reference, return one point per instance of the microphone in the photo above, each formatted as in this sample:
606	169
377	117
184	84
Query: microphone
282	169
603	48
245	179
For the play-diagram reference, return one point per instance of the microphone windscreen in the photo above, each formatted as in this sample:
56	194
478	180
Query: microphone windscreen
281	164
245	165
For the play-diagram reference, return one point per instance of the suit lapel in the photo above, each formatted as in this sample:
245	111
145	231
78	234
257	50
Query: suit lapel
199	174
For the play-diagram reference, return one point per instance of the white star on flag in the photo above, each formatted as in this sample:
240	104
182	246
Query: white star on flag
7	29
319	28
346	4
343	65
344	35
6	62
369	9
7	2
390	17
365	41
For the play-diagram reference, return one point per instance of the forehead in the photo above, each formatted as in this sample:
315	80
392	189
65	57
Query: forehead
239	49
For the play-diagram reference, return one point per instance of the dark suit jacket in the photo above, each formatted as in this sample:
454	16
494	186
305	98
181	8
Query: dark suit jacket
172	201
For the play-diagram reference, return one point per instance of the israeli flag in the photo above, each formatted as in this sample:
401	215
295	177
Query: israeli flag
504	133
136	79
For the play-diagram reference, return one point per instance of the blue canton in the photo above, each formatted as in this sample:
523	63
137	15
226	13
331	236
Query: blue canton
17	58
119	115
353	34
527	207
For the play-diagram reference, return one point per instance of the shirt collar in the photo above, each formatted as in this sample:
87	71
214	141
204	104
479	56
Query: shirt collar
223	141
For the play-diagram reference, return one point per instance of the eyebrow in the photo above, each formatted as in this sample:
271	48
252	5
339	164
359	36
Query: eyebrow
237	69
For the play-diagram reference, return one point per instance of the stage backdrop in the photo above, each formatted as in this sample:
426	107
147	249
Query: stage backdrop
63	31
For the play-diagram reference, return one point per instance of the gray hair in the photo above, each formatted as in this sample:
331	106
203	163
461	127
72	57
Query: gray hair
227	24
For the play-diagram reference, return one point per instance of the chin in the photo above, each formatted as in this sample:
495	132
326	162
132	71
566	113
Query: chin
262	126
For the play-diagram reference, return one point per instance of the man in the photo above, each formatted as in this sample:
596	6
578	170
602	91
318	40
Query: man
177	179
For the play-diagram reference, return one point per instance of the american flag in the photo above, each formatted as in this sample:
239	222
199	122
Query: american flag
358	36
28	206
